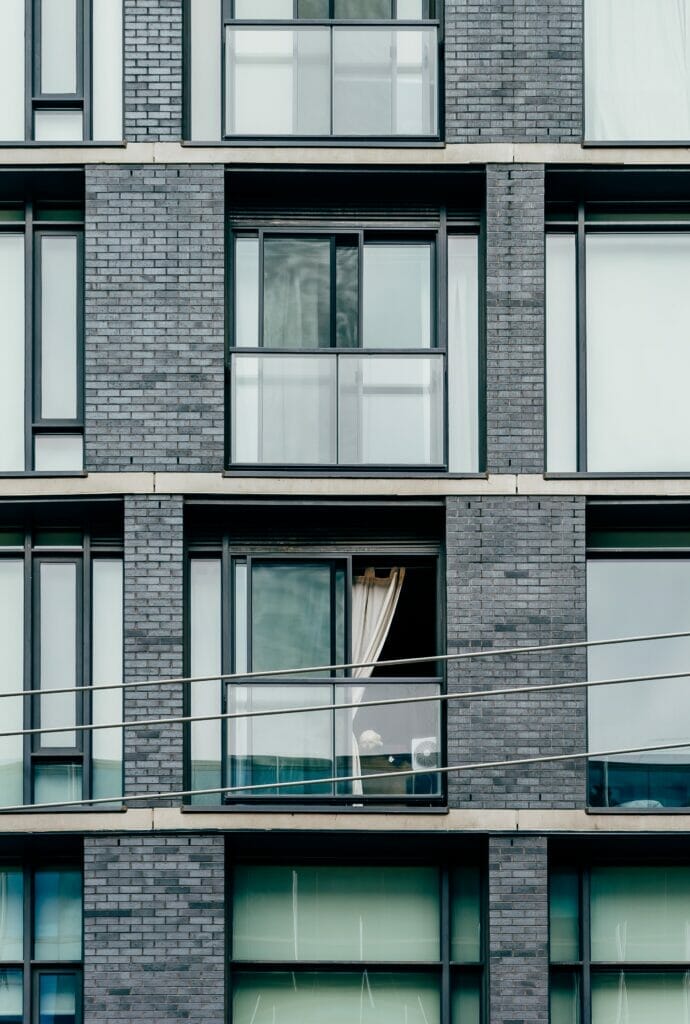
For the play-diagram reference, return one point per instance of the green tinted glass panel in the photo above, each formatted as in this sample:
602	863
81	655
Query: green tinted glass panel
564	920
466	935
638	539
57	999
11	915
466	1000
565	998
639	998
11	997
13	213
640	914
11	538
52	212
57	915
58	538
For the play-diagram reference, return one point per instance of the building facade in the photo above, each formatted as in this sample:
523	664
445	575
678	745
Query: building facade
331	353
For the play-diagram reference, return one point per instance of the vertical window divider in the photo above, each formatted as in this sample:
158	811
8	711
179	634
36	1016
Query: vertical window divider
29	316
581	325
586	950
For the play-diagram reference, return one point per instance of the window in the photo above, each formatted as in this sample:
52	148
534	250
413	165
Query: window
619	947
377	943
42	297
267	612
338	354
638	583
637	71
40	942
61	71
61	592
313	69
617	313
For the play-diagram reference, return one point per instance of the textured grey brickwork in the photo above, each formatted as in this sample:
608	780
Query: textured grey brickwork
154	318
513	70
153	641
154	935
518	930
516	576
515	318
153	70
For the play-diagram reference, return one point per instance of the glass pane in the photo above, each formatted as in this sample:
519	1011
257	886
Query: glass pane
397	296
206	644
297	293
640	998
368	998
12	347
260	9
58	46
638	311
247	291
291	615
466	931
57	999
58	650
284	409
11	997
467	993
278	81
336	913
58	126
59	782
391	410
640	914
107	69
362	9
463	354
58	327
561	354
107	642
384	82
311	8
637	74
240	623
11	916
346	292
205	70
12	678
565	999
59	453
12	74
564	919
275	748
57	915
638	597
397	737
410	10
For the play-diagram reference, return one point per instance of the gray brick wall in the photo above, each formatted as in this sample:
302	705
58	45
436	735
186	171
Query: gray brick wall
153	70
516	576
515	318
518	930
153	641
154	318
513	70
154	929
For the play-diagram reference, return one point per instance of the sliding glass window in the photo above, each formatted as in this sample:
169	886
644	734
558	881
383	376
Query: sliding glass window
344	346
61	71
42	297
62	637
313	69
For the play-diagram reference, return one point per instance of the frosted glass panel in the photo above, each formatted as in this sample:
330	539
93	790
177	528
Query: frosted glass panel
561	354
367	998
12	74
637	70
205	69
12	350
291	615
640	998
564	916
336	913
466	997
58	126
11	997
11	678
466	936
59	453
396	297
297	292
638	359
463	353
59	259
58	46
205	641
57	915
391	410
410	10
57	999
58	654
11	915
57	783
277	81
107	69
259	9
640	914
247	292
107	643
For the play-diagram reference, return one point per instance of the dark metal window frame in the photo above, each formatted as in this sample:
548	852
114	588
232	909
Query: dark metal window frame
229	555
80	100
367	232
447	969
82	556
33	969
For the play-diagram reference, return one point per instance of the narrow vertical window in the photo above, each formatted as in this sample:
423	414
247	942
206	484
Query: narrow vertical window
463	354
107	669
12	346
561	354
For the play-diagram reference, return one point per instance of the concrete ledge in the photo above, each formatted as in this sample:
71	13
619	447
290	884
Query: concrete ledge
218	484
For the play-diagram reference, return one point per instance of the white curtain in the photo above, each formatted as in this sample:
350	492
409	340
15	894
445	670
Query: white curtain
637	70
374	600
